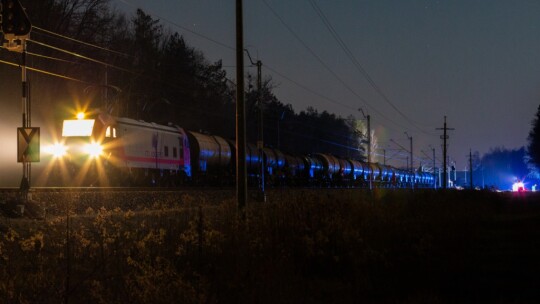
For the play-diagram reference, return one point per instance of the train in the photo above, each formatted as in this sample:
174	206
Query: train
101	149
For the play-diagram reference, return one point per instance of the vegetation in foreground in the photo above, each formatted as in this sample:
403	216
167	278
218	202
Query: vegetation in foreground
301	247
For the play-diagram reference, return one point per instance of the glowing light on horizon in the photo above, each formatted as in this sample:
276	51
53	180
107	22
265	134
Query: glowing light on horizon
518	187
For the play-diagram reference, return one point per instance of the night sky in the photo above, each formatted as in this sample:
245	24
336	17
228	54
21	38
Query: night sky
477	62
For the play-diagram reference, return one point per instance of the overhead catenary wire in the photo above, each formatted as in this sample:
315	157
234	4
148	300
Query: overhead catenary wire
79	41
88	59
309	90
51	58
49	73
357	64
80	56
319	59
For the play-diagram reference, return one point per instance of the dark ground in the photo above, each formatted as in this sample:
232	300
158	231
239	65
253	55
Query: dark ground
303	246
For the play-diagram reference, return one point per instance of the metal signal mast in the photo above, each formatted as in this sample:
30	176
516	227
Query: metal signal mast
15	26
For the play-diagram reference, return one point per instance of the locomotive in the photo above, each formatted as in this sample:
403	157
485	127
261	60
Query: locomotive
101	149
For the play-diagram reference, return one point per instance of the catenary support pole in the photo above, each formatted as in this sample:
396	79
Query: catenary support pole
434	170
260	141
444	137
241	174
369	150
471	169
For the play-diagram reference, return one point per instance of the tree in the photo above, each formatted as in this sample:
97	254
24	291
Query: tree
143	89
533	149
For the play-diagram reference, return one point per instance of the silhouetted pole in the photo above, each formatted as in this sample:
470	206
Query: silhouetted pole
260	142
260	138
470	168
411	150
444	137
369	143
241	174
369	147
26	123
434	179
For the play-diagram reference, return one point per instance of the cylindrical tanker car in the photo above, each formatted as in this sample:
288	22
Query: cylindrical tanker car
133	152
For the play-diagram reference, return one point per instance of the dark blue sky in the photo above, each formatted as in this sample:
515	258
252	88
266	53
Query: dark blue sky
477	62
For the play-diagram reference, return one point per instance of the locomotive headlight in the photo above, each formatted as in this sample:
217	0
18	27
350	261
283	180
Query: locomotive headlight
57	150
93	149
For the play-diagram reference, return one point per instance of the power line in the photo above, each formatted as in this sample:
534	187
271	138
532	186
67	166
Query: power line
47	73
357	64
318	58
89	58
310	90
52	58
81	56
79	41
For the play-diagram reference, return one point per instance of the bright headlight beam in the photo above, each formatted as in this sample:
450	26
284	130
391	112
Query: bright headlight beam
57	150
93	149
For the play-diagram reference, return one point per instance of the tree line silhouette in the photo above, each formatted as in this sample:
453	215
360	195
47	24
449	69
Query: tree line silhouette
143	70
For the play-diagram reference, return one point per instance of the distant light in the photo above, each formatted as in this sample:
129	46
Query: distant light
80	115
518	187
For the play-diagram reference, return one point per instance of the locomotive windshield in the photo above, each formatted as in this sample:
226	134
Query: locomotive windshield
78	127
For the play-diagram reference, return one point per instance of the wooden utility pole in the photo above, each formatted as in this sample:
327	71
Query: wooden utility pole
444	137
241	173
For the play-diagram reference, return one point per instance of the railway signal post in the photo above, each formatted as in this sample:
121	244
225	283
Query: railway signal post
16	27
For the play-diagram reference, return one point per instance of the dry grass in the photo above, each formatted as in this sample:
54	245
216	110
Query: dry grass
302	246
